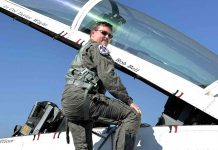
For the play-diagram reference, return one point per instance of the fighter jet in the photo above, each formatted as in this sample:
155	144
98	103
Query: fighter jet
179	67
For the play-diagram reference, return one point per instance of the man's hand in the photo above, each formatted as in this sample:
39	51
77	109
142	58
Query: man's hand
134	106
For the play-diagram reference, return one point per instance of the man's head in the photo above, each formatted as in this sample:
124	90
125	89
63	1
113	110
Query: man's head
101	32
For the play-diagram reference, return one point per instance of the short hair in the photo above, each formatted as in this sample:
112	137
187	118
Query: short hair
101	23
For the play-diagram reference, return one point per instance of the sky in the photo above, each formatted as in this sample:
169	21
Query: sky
33	65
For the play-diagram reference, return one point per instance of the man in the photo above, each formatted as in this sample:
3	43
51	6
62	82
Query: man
83	101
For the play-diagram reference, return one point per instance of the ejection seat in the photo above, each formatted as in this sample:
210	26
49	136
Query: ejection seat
45	117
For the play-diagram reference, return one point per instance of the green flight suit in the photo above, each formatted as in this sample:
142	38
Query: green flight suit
97	59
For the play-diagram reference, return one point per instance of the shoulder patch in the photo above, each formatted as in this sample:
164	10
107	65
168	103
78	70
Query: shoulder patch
103	50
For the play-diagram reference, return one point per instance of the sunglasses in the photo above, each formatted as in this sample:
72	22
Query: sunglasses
105	33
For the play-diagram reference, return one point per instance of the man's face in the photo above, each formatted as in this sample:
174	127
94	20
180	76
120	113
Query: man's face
102	35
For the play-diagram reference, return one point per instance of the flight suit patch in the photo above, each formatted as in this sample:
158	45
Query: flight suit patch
103	50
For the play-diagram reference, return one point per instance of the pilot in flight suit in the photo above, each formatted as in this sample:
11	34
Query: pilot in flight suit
84	101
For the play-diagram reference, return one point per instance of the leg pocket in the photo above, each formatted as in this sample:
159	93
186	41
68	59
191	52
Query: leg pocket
100	98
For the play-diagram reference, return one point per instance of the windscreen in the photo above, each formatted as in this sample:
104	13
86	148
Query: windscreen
155	42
